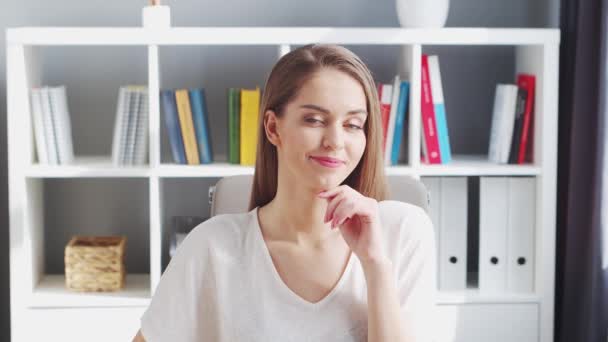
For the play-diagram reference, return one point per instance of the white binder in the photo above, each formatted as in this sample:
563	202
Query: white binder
432	187
493	218
448	211
521	230
453	226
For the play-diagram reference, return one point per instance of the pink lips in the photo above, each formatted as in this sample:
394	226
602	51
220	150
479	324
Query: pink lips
328	162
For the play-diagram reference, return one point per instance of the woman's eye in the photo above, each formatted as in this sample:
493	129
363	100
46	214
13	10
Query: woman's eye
314	121
354	126
311	120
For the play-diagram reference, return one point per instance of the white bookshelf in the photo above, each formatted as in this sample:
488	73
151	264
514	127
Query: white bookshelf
38	298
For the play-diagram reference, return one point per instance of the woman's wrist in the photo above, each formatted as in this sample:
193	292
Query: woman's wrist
374	266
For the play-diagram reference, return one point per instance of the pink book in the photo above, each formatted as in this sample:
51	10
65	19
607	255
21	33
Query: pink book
527	82
385	109
429	125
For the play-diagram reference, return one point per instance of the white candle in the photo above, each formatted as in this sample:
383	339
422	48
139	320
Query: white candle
156	16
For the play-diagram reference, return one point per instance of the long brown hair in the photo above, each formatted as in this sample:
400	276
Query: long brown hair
285	80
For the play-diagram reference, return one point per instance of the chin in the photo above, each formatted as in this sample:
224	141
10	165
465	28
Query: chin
322	179
326	182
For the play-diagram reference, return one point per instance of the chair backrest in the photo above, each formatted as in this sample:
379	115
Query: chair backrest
230	195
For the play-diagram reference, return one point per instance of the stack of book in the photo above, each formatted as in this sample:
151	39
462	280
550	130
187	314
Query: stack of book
512	118
393	108
435	139
187	121
130	137
243	115
52	126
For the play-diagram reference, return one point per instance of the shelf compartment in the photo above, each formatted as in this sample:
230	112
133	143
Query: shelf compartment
193	67
92	95
52	292
181	197
104	207
469	105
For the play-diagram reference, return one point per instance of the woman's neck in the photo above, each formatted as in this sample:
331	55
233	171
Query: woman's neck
296	215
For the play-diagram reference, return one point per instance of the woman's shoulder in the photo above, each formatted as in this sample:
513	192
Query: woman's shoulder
223	231
405	223
392	211
223	223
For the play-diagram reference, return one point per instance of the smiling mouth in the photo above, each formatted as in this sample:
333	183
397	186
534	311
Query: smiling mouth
332	164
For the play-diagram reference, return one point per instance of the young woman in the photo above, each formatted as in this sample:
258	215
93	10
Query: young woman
321	255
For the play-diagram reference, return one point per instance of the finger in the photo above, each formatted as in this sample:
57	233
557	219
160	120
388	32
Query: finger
345	210
331	207
332	192
336	226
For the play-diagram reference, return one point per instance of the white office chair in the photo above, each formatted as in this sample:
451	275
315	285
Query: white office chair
231	194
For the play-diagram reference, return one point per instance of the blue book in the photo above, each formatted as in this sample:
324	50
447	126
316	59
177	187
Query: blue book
402	105
167	98
442	133
200	118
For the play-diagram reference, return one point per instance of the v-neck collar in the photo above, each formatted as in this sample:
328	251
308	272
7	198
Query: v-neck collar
265	254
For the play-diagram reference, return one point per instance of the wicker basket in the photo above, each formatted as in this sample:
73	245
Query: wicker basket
95	263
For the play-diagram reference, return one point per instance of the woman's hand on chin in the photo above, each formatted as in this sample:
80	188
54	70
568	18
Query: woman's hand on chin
358	220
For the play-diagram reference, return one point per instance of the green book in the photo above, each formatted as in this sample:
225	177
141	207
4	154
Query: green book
234	127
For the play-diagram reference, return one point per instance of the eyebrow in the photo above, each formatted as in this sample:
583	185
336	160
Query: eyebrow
326	111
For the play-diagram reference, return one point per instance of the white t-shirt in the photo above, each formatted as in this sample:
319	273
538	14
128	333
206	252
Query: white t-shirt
221	285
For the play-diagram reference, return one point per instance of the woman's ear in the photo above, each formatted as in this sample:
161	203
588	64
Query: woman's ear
271	122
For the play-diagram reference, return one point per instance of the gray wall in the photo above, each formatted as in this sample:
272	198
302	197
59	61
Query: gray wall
92	76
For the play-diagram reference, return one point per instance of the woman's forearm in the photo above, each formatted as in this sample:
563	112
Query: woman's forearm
383	314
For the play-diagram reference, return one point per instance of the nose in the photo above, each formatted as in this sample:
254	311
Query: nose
333	137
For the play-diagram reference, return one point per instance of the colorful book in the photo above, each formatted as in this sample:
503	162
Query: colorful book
169	106
527	82
402	109
187	126
234	126
386	94
200	116
431	153
390	134
520	109
439	106
250	104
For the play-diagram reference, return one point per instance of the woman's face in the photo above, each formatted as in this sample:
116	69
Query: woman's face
324	122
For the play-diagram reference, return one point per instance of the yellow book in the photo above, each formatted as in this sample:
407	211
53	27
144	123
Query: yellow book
250	106
187	126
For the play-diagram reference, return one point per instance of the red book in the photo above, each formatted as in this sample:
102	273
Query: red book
429	124
527	82
385	111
